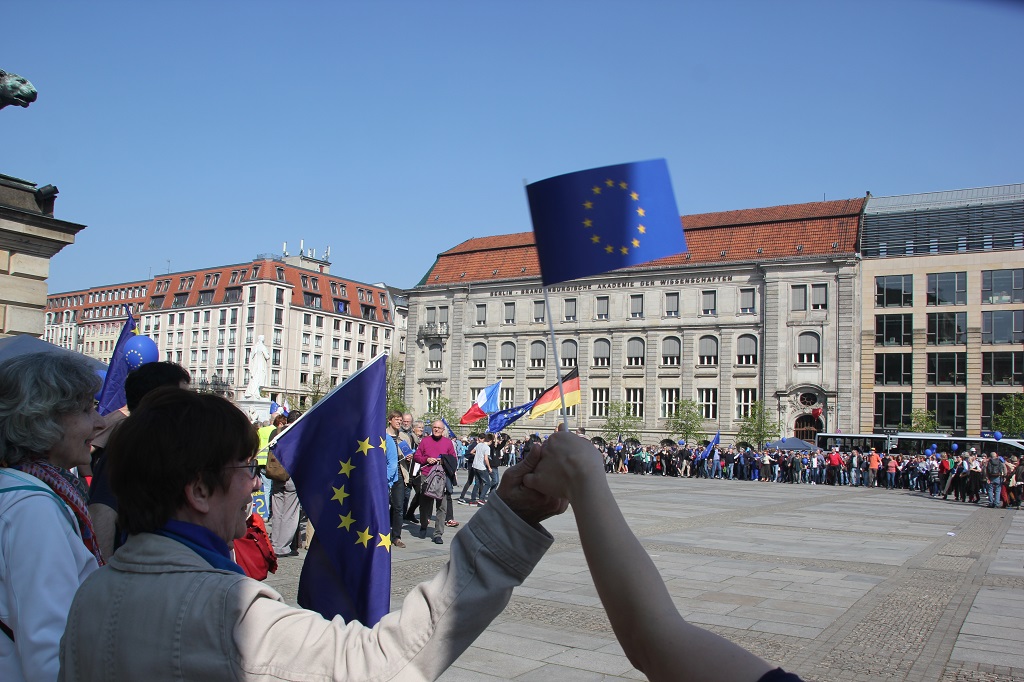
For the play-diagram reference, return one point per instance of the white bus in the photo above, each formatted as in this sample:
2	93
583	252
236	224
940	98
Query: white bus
907	443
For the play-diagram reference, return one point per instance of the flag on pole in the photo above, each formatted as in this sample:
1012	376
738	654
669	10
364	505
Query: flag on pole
451	432
711	446
335	454
551	400
499	420
486	403
602	219
111	397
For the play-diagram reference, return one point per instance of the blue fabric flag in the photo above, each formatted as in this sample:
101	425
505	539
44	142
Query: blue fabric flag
335	455
451	433
710	447
602	219
499	420
111	397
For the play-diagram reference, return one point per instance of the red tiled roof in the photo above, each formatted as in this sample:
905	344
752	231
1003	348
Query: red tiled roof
777	231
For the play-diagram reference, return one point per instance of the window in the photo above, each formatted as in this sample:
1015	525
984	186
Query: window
669	403
950	410
277	336
538	352
894	330
347	345
601	307
569	350
305	339
433	396
1002	286
507	398
434	356
280	274
252	294
745	399
893	369
1002	326
947	369
510	313
361	347
1002	369
538	311
635	401
708	302
569	307
949	329
747	301
635	352
205	298
707	398
535	393
798	295
304	359
991	407
275	377
892	410
819	297
599	402
808	349
481	315
672	304
947	288
707	351
180	300
602	353
636	305
508	355
318	341
479	356
894	291
670	351
746	350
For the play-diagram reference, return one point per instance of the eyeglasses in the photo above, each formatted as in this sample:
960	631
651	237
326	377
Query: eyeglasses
252	465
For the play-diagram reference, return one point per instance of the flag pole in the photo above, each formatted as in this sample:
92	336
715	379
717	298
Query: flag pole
554	349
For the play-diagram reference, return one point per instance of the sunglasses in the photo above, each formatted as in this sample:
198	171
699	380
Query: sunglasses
252	465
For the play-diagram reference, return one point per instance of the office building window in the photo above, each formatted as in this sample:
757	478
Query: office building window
894	369
808	349
479	356
947	288
569	306
950	410
709	302
433	396
1002	326
602	353
510	313
747	299
635	352
599	402
819	297
538	311
746	350
569	350
1002	369
745	399
670	350
538	354
672	304
894	291
892	410
635	401
947	369
481	315
707	351
601	307
894	330
507	398
508	355
949	329
1002	286
798	296
434	356
669	403
707	398
636	305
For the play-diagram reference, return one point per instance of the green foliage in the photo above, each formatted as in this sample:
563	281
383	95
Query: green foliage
758	428
687	423
442	408
1010	420
621	422
395	378
923	421
318	386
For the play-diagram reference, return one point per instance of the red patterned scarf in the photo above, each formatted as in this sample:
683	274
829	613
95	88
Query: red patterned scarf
72	490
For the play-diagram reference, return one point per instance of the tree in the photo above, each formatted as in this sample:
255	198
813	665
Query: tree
621	422
1010	420
687	423
318	386
758	428
395	378
923	421
442	408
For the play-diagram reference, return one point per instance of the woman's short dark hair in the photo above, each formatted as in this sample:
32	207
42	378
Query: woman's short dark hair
172	439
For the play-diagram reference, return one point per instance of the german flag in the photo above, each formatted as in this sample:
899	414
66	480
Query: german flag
550	399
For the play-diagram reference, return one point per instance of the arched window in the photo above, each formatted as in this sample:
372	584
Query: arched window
434	356
746	350
508	355
569	353
707	351
670	350
602	353
538	352
635	352
806	428
479	356
808	349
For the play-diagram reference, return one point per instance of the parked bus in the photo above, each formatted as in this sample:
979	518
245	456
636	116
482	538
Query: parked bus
906	443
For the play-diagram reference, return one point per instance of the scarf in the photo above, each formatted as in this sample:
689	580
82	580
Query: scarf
203	542
72	491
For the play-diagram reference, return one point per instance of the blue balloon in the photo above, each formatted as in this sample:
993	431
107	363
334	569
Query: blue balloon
955	447
934	446
927	452
998	435
140	350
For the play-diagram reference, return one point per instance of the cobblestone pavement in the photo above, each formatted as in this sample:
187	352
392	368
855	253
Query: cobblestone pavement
830	583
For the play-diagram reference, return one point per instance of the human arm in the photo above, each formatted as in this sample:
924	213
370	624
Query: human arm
654	636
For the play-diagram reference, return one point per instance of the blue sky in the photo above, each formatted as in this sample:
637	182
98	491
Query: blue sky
207	133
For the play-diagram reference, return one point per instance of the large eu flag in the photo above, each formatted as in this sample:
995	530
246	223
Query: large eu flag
111	397
602	219
335	455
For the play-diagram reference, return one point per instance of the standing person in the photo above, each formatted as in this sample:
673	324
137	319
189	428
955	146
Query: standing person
995	470
405	462
285	503
428	455
396	485
482	468
47	544
874	461
416	473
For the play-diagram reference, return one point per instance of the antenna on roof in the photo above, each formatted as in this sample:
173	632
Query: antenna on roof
284	248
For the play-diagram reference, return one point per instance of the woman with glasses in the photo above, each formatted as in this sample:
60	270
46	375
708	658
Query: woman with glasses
47	545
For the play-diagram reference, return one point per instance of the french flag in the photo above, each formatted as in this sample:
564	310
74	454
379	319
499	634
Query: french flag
486	403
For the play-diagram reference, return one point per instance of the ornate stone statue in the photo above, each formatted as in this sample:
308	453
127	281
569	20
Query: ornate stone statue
257	369
15	90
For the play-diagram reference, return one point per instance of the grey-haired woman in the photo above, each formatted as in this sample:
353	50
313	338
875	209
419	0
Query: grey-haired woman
47	546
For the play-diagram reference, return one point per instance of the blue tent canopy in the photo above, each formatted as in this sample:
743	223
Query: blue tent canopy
791	444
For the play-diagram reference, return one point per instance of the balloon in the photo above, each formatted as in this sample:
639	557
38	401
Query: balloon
934	446
998	435
140	350
927	452
955	447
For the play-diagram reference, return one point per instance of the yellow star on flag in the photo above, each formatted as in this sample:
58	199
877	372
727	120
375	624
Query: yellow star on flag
588	205
596	239
364	446
623	185
640	212
608	249
596	189
634	196
588	223
364	537
636	243
641	229
609	182
624	250
385	541
346	467
383	444
340	494
346	520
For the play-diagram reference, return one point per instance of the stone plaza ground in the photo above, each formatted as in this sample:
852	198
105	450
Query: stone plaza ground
831	583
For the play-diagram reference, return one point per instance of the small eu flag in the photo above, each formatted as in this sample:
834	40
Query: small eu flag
335	455
111	397
499	420
602	219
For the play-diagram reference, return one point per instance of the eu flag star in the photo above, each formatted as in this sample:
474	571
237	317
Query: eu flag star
608	249
588	205
641	229
634	196
346	468
385	541
623	185
339	494
364	446
595	239
640	212
636	243
609	182
624	250
382	443
588	223
364	537
595	189
346	521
